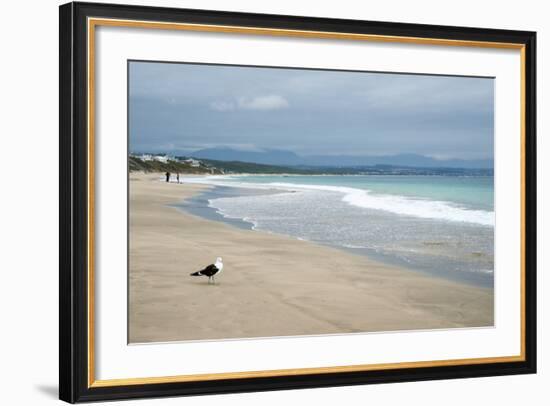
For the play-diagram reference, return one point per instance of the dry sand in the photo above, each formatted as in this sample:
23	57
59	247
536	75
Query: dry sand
271	285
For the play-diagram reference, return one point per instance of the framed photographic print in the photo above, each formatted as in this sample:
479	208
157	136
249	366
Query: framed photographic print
258	202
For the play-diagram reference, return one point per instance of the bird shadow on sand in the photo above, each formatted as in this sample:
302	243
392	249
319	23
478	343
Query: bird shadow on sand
203	283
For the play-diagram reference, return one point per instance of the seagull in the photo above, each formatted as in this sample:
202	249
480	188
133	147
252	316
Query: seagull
211	270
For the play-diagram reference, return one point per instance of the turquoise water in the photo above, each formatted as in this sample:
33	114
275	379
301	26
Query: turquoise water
474	192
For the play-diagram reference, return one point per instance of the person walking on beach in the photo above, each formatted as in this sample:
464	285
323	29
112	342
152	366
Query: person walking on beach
167	176
178	177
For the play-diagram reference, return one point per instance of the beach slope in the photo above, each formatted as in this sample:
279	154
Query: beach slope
271	285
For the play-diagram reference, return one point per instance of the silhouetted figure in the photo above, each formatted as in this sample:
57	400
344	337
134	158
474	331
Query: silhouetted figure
178	177
167	176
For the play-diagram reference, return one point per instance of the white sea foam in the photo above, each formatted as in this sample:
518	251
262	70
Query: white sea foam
431	209
422	208
254	223
419	208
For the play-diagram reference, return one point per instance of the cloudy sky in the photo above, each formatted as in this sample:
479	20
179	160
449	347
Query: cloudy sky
180	108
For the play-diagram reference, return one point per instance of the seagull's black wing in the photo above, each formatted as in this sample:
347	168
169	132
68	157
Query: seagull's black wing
209	271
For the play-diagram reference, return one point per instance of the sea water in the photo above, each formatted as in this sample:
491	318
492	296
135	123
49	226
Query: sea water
443	225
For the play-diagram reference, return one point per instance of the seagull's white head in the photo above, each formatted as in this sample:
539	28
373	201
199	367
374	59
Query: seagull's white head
219	264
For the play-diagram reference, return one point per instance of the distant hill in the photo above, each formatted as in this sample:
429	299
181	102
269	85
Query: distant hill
210	166
268	157
288	158
235	167
251	167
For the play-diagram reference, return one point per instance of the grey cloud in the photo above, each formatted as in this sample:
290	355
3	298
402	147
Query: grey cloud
187	106
265	103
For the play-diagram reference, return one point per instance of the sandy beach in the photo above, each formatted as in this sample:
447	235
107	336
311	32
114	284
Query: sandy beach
271	285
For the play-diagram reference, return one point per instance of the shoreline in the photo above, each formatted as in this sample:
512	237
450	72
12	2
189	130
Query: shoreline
305	288
198	205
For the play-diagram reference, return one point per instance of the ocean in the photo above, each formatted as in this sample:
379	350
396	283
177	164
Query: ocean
441	225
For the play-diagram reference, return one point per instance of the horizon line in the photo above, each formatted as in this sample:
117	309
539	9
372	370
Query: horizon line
178	152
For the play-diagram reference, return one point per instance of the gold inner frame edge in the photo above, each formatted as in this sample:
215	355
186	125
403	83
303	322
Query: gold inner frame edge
93	22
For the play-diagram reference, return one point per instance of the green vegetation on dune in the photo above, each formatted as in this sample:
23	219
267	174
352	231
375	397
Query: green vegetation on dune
136	164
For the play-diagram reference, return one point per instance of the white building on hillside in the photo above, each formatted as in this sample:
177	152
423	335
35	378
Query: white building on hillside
161	158
143	157
193	162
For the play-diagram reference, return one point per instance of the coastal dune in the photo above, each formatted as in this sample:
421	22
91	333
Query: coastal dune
271	285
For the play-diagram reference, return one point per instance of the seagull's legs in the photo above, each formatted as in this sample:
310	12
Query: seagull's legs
209	279
214	279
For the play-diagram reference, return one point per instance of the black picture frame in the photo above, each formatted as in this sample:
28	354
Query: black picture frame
74	385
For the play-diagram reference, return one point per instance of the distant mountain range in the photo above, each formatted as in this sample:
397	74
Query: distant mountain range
288	158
